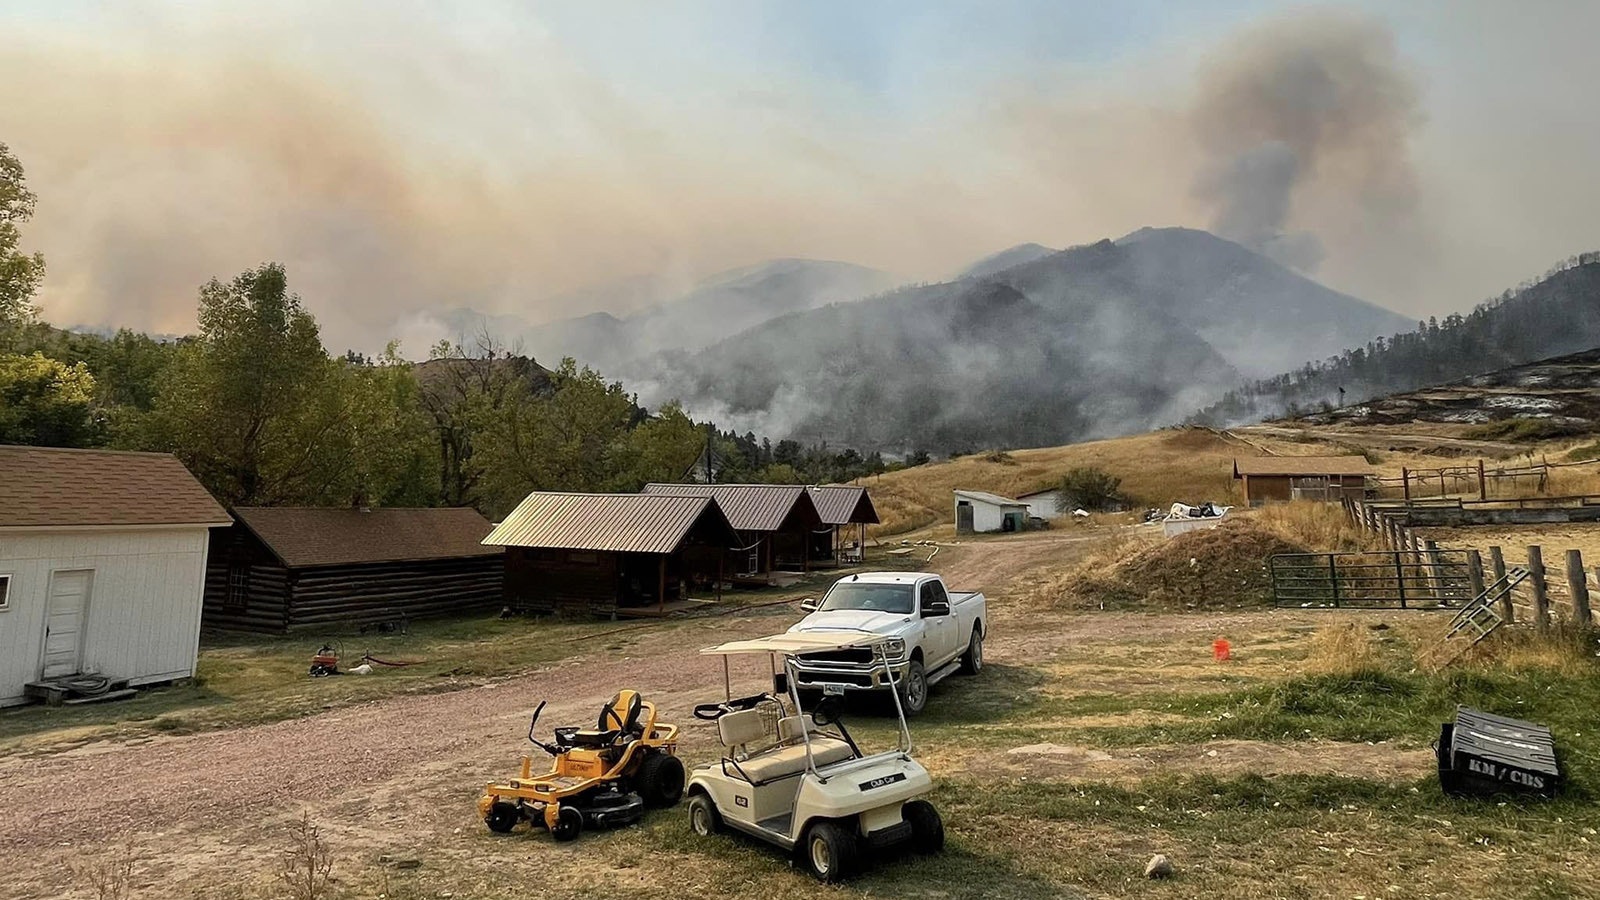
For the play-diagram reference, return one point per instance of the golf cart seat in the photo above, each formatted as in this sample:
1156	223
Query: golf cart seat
619	720
787	756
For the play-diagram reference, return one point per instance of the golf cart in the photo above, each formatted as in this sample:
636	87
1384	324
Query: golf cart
796	779
600	778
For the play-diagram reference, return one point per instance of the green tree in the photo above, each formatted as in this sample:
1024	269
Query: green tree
252	405
388	439
20	273
1090	488
46	402
661	448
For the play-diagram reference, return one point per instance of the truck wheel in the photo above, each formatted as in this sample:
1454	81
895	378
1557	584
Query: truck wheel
829	851
661	779
569	824
972	660
704	819
927	829
914	689
502	818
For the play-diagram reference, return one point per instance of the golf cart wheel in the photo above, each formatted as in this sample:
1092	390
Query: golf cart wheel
914	689
661	779
502	817
972	660
829	851
569	824
704	819
927	829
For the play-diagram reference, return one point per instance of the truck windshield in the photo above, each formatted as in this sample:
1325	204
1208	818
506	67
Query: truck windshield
889	598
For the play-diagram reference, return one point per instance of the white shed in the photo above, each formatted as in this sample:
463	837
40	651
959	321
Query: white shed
978	512
102	566
1046	505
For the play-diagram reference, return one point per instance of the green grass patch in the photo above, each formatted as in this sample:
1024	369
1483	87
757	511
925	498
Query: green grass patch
1523	430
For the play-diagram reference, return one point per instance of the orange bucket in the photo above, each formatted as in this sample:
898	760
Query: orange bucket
1221	651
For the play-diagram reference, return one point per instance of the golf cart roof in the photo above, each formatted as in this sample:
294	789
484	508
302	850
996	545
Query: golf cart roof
801	642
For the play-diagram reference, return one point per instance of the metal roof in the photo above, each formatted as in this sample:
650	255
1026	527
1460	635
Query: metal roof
1302	465
55	487
844	504
749	507
986	497
621	523
305	536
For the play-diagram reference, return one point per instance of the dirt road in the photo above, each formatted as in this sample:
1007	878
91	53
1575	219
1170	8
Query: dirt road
400	775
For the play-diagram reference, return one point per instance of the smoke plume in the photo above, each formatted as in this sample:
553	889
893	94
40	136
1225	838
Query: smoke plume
1306	119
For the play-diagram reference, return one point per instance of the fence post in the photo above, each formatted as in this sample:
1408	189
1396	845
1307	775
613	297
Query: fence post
1333	579
1578	585
1400	578
1475	573
1497	563
1431	566
1405	484
1541	596
1483	486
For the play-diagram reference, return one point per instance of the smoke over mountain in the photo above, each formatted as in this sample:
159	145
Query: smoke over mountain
1308	111
403	159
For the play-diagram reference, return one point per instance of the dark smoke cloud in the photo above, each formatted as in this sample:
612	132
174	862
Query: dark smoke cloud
1306	119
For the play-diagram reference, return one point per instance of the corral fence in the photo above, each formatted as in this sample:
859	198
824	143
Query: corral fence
1386	579
1430	575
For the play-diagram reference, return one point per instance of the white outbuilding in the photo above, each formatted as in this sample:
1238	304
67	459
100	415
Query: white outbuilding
102	568
978	512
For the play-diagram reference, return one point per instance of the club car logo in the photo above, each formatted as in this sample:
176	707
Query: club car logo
741	801
880	782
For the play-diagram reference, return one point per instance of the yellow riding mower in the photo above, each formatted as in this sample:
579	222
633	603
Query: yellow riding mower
600	778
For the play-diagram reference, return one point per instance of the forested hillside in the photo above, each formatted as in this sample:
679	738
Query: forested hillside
259	410
1558	314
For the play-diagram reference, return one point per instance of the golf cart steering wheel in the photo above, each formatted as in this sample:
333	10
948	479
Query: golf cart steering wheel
826	711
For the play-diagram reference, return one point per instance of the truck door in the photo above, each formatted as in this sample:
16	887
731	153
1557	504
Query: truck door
938	624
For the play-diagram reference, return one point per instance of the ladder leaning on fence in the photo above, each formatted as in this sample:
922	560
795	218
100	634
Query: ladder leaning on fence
1477	620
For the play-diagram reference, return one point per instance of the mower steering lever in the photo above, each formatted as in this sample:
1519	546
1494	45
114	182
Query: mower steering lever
533	723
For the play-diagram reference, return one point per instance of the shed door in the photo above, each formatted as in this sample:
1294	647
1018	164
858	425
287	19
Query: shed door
963	517
63	628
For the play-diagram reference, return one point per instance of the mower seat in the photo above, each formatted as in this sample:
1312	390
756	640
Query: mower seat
619	720
574	737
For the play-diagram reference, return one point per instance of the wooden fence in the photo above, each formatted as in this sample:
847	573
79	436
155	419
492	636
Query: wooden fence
1557	587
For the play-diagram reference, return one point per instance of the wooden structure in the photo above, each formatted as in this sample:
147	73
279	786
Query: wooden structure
841	506
102	560
282	567
980	512
1275	479
776	523
606	553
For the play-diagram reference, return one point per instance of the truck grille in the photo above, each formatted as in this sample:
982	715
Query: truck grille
857	656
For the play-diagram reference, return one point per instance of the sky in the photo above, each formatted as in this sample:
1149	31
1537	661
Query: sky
405	158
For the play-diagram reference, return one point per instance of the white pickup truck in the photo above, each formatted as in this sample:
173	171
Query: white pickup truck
937	632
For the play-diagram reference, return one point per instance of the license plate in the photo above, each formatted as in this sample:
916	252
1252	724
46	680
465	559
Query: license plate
833	690
883	781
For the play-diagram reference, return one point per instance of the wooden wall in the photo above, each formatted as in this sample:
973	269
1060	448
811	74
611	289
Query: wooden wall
265	601
545	579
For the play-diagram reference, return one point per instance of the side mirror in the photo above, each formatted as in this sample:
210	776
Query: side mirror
810	604
780	683
935	608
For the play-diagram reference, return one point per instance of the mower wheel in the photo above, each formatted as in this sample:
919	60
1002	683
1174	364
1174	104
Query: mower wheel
829	851
660	780
569	824
502	818
927	829
704	819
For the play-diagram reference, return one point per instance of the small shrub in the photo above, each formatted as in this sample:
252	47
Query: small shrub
1000	457
110	874
1523	430
1091	488
306	868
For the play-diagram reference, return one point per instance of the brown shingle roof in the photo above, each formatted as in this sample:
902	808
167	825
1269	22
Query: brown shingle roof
750	507
1301	465
622	523
844	504
306	536
49	486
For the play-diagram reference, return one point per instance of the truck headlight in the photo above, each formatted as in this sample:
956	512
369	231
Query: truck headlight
894	648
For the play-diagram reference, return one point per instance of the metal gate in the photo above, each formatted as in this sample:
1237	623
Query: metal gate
1389	579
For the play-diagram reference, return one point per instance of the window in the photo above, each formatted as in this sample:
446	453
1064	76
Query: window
933	592
238	586
5	592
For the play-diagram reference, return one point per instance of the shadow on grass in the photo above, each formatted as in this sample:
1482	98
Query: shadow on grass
962	871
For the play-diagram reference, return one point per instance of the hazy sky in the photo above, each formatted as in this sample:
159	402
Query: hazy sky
402	157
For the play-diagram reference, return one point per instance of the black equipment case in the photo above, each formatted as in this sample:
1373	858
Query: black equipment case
1482	754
